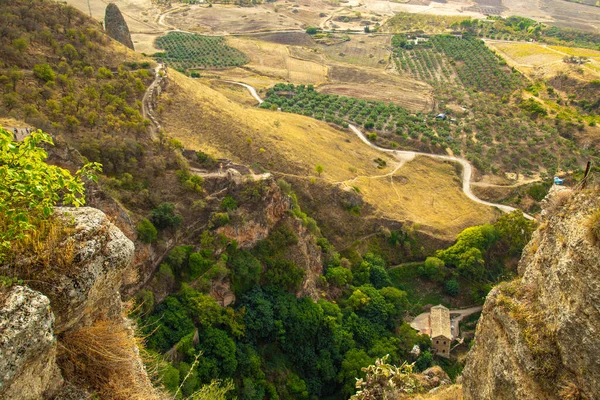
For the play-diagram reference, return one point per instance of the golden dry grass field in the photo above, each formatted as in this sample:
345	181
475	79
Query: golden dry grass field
546	61
424	191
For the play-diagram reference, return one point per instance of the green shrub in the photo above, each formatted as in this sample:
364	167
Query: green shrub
219	219
228	204
339	276
147	233
44	72
164	216
311	30
452	287
30	188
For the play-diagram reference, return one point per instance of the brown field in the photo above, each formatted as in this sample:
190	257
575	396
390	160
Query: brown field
370	51
226	19
361	81
424	191
274	60
289	38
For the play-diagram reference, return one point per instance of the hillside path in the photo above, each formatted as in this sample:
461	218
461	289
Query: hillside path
147	109
407	155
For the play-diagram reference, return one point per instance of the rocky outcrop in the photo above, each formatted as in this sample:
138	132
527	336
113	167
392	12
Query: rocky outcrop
257	223
307	255
28	368
89	290
69	304
115	25
538	335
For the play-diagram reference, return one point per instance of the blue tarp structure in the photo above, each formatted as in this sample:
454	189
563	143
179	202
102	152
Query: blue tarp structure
558	181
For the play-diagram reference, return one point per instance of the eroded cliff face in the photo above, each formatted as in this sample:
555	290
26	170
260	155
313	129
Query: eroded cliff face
47	327
115	25
538	336
256	223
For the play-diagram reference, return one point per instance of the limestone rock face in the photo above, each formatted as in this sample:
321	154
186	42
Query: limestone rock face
115	25
90	289
538	336
28	368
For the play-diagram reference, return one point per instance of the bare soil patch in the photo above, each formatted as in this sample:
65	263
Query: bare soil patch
413	101
371	51
275	61
289	38
228	19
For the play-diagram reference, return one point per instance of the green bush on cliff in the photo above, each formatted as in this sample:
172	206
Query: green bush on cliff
30	188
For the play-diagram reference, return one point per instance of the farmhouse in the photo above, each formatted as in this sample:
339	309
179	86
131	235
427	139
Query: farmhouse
441	335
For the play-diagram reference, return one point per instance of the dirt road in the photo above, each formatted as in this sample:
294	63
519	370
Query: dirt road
407	155
466	176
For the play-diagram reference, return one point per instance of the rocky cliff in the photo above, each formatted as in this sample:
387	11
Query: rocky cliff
52	343
115	25
538	335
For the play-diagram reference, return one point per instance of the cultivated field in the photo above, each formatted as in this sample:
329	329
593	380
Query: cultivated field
275	60
370	51
377	84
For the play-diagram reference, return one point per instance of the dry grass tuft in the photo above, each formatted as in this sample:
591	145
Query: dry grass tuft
106	355
570	391
557	201
49	246
593	227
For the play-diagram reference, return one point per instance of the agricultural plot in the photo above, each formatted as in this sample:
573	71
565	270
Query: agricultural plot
360	50
185	51
424	63
443	56
341	110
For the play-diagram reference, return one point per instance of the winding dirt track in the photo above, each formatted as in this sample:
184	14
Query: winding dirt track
406	155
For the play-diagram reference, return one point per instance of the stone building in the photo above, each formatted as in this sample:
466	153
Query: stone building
441	334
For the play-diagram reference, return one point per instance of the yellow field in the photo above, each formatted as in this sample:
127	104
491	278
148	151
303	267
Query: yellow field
428	193
530	58
424	191
274	60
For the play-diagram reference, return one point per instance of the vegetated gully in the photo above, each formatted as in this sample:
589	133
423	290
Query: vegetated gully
406	155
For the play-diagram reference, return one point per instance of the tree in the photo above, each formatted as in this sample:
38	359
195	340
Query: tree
164	216
147	233
15	75
452	287
319	169
20	44
514	231
432	269
424	361
70	52
339	276
44	72
311	30
354	361
30	188
379	277
471	264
